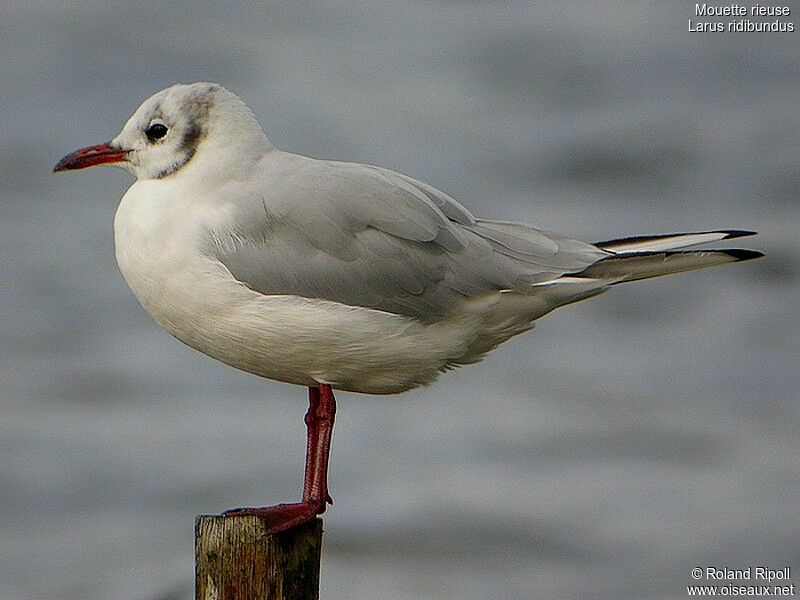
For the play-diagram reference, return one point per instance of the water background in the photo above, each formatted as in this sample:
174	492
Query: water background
623	442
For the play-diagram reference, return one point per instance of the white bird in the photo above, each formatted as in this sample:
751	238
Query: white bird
333	274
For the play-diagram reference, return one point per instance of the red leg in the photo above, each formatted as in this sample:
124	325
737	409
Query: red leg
321	417
319	427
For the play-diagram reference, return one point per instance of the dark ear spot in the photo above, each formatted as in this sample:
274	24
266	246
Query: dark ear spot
191	137
189	141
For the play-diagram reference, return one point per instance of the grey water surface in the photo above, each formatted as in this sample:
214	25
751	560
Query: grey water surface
623	442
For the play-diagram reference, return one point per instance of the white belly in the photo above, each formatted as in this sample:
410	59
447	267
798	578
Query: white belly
287	338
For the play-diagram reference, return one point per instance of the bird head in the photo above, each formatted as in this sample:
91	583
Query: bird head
171	127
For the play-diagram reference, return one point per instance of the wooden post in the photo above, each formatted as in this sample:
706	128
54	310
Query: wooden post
235	559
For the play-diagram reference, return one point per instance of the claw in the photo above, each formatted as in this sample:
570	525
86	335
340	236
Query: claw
280	517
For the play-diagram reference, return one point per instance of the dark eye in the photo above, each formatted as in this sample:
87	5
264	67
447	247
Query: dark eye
156	131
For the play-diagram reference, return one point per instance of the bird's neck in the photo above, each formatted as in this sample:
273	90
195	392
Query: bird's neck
225	159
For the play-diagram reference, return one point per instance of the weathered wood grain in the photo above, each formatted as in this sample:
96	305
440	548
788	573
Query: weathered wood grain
235	559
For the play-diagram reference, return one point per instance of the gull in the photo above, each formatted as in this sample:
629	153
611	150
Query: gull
335	275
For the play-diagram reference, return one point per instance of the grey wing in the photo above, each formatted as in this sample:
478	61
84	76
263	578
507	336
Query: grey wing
365	236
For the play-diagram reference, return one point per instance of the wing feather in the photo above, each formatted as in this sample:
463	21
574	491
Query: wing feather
365	236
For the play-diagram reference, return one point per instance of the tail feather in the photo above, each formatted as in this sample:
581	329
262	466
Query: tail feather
633	266
671	241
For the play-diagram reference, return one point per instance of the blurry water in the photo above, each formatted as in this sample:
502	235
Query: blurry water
623	442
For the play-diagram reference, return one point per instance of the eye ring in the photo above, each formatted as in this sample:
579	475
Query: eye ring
156	131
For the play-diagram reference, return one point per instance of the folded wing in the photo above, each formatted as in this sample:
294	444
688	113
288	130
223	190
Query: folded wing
369	237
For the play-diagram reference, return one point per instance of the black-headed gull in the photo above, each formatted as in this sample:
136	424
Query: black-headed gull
332	274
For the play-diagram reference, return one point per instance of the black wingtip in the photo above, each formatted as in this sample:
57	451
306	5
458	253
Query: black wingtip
736	233
742	254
